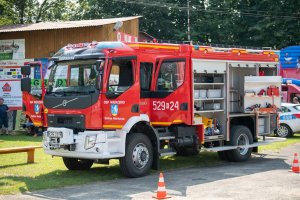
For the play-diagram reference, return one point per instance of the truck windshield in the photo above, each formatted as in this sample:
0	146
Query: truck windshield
73	77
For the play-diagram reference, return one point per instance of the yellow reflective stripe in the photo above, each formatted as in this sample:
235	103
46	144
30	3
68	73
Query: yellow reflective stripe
154	46
268	52
37	123
205	48
113	126
239	51
177	121
161	123
167	123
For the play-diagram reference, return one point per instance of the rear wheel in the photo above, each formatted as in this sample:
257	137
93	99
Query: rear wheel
284	131
138	156
77	164
240	135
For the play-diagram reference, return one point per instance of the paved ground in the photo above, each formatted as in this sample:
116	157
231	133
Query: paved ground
263	177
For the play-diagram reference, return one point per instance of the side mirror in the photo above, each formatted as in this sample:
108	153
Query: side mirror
26	85
26	70
99	82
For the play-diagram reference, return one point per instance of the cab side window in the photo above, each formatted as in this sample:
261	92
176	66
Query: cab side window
171	75
146	76
36	82
121	76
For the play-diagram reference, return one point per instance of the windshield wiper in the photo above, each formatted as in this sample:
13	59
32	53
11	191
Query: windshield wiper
64	93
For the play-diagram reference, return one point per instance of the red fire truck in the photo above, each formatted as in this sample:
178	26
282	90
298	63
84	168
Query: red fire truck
33	100
139	101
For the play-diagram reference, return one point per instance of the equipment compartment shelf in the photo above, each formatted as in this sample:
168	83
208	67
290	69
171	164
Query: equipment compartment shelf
205	111
261	96
196	84
213	138
208	99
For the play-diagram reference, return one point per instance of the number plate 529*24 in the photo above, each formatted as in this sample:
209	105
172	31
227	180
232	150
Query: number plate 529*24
57	134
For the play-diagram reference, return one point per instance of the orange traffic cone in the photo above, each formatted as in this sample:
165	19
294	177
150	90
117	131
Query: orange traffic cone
295	166
161	189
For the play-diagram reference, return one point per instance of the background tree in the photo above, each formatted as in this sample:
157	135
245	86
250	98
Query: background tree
273	23
6	13
32	11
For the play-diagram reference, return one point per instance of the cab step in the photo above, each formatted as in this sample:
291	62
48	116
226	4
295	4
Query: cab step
167	137
167	152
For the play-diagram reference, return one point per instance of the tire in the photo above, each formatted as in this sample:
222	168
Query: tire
188	151
284	131
77	164
138	156
240	135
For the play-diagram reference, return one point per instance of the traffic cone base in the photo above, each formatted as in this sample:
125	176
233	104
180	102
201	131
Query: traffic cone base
161	189
295	166
166	197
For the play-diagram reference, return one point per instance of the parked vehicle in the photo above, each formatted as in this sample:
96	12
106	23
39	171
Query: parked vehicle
139	101
289	70
33	100
289	120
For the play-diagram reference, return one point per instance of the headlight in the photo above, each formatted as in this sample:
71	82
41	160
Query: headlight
90	141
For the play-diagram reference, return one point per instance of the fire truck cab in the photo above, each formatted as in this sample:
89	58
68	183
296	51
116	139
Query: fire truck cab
139	101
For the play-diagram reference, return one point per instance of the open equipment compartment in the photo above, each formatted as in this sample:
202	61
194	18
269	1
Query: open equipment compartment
226	89
262	92
209	97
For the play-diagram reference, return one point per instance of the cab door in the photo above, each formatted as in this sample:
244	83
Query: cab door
146	77
170	96
121	92
33	101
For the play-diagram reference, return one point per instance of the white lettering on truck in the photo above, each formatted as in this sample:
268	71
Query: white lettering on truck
162	105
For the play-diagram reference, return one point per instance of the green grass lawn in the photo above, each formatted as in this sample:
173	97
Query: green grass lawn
47	172
278	145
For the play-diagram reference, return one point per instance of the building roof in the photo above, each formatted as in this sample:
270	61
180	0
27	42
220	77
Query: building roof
62	25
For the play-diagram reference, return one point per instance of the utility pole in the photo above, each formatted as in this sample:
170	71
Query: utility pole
188	20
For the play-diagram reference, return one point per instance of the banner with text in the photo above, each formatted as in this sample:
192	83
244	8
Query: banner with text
12	49
11	93
124	37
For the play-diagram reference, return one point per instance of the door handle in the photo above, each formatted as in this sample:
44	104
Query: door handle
135	108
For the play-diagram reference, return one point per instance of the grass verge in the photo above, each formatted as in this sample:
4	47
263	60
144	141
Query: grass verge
278	145
47	172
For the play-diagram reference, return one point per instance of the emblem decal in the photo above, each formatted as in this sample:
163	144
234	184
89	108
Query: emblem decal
114	109
36	108
65	102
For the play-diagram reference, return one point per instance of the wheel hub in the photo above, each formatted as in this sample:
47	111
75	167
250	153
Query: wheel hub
282	131
140	156
243	140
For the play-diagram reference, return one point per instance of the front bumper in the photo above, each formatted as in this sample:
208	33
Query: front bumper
108	144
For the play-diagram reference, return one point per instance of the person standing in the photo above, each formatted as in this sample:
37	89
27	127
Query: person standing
3	117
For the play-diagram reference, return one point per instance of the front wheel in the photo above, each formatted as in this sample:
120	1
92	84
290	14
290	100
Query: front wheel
138	156
77	164
284	131
240	136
